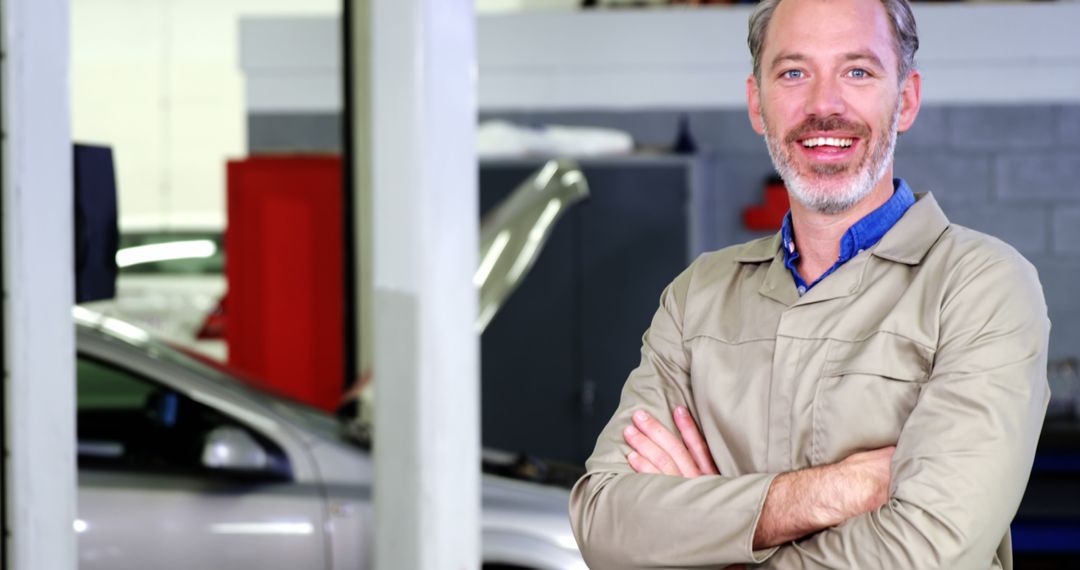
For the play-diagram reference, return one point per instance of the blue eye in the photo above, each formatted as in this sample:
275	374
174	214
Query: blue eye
859	73
792	74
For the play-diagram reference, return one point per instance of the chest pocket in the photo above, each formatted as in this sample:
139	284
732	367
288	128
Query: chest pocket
865	394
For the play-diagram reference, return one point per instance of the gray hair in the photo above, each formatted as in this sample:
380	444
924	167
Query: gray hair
905	35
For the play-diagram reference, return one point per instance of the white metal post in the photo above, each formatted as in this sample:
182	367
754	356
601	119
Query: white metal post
427	437
38	284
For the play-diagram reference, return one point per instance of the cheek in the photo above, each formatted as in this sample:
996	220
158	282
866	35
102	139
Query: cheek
783	110
778	119
875	109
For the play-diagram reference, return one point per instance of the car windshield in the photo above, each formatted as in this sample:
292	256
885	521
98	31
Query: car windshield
312	418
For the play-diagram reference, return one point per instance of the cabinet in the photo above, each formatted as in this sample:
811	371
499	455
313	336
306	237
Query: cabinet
285	276
554	360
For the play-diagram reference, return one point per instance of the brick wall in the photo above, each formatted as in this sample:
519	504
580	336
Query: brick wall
1010	171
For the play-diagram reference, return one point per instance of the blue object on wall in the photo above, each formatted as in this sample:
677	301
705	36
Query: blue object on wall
96	233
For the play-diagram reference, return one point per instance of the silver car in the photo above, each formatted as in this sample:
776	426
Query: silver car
183	466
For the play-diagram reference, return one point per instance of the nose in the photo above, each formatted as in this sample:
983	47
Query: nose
825	98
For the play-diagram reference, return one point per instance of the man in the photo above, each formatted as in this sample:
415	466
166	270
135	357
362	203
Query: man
870	383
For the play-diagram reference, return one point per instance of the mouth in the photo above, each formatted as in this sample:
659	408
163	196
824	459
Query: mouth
828	149
834	142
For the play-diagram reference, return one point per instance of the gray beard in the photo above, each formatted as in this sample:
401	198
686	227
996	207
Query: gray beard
845	192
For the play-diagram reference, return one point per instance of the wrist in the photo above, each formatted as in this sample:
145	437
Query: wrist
825	496
858	488
796	505
839	497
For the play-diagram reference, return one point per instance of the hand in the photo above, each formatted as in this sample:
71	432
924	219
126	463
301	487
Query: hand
656	450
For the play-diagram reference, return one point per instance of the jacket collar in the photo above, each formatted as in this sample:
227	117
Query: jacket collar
915	233
907	242
760	250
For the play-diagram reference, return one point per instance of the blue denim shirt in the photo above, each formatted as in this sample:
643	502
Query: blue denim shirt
862	235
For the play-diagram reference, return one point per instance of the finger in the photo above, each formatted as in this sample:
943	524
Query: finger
641	465
650	451
695	443
669	442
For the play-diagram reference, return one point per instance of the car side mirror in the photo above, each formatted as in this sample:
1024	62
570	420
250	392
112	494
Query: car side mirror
230	448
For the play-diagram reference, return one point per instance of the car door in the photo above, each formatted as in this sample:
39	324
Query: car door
147	500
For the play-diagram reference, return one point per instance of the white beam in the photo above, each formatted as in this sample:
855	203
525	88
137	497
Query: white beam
38	283
427	443
976	53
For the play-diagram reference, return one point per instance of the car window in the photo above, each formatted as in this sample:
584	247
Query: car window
128	422
103	387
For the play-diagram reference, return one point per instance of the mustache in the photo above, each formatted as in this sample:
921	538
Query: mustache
826	124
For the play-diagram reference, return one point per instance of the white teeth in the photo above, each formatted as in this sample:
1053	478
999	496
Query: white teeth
827	141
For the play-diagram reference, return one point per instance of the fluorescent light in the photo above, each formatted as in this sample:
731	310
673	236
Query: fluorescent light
197	248
80	525
262	528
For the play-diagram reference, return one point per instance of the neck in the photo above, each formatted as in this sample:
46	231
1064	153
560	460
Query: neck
817	235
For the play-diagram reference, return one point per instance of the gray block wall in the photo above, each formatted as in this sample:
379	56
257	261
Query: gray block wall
1010	171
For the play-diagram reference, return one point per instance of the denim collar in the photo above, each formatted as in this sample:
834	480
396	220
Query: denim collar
860	236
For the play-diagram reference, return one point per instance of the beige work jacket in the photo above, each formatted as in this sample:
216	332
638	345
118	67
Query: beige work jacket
934	339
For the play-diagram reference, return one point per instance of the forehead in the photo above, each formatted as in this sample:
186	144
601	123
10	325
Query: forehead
829	28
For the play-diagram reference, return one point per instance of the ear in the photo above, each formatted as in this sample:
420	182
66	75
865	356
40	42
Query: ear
910	100
753	105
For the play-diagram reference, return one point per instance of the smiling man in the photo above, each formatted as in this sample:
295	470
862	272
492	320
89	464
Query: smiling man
869	384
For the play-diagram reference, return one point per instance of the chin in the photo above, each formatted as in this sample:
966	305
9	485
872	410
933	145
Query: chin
830	197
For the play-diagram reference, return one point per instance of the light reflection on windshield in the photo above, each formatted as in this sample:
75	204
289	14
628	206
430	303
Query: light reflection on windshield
220	374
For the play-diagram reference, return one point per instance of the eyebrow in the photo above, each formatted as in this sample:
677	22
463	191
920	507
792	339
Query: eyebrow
850	56
864	55
787	57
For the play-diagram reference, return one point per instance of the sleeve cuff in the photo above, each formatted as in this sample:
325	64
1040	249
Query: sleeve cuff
759	556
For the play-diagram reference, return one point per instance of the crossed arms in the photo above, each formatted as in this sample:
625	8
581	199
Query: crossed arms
942	499
798	503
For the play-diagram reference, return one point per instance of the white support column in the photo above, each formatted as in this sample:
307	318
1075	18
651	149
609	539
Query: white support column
427	441
38	286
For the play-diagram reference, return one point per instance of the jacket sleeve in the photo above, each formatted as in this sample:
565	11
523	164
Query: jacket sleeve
965	453
623	519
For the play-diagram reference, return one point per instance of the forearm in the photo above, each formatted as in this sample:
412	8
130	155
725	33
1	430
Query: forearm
806	501
899	535
949	508
628	520
798	504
